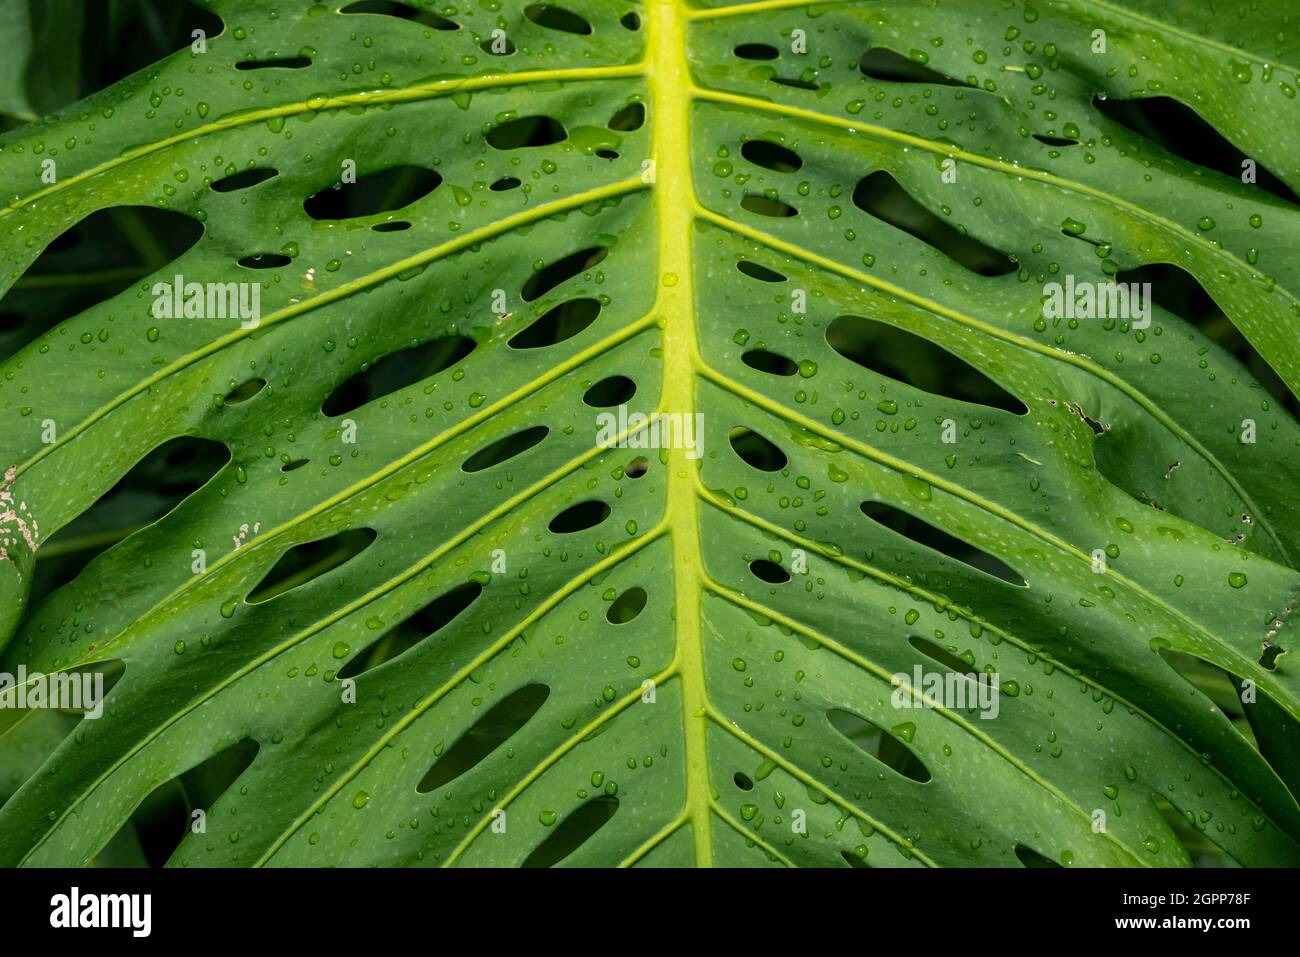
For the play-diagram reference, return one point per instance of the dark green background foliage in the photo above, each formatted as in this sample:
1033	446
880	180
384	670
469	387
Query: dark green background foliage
815	174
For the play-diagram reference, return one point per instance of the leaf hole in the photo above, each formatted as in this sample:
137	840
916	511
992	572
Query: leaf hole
408	633
1054	140
562	270
281	63
244	180
769	362
626	606
943	656
880	63
265	261
756	51
771	156
394	226
526	132
756	451
557	18
878	194
152	488
560	323
100	252
798	84
1178	129
503	450
373	193
901	355
1181	293
769	571
935	539
397	371
1031	858
244	392
574	831
629	118
637	467
611	391
754	271
766	206
499	724
489	46
161	821
877	743
114	41
580	517
309	561
1269	654
742	781
401	11
1216	684
505	183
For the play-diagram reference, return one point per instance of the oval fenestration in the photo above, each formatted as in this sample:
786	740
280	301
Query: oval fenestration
756	271
627	606
413	630
100	250
265	261
942	656
505	449
611	391
396	371
580	517
936	539
500	723
527	132
769	362
281	63
560	323
401	11
1031	858
769	571
574	831
902	355
881	195
307	562
561	270
881	63
373	193
768	206
773	156
628	118
756	451
244	392
245	179
553	17
882	745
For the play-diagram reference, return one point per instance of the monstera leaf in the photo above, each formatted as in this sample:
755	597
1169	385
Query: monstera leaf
611	433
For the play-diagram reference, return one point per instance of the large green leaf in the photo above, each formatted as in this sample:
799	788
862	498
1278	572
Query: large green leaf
1113	546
